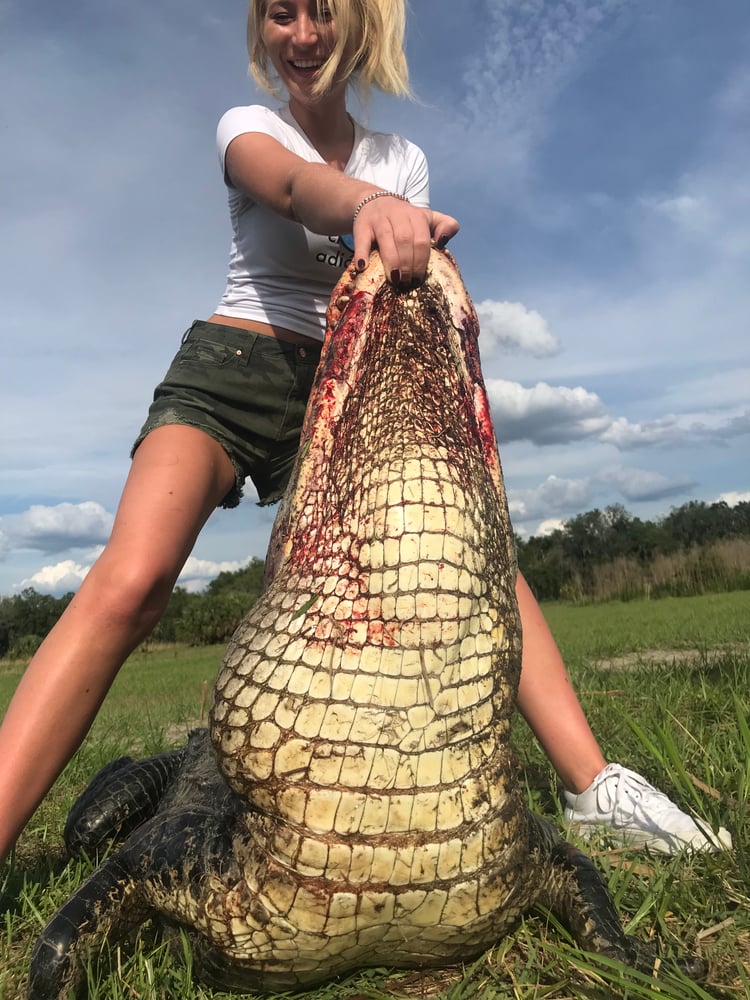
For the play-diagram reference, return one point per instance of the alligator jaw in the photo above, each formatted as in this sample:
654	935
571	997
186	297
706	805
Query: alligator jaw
403	339
391	563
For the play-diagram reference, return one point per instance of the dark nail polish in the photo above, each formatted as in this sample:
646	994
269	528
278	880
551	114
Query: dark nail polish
395	276
361	264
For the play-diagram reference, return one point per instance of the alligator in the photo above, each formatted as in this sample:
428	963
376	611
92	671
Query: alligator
354	800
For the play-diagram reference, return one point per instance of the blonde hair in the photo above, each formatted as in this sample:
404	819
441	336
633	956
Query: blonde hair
369	49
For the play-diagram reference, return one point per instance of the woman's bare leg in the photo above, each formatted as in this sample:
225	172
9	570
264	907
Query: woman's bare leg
548	702
598	795
178	476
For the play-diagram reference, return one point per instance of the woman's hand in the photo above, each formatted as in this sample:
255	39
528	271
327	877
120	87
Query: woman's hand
323	199
404	236
443	228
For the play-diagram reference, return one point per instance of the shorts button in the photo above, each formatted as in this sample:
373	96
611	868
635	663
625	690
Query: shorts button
238	353
302	352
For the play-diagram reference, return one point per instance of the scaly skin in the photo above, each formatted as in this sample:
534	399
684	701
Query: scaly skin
361	805
364	704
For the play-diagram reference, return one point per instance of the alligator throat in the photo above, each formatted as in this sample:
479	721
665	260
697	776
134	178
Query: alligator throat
364	702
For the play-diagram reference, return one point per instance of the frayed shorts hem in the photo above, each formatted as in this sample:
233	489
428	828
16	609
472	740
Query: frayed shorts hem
233	497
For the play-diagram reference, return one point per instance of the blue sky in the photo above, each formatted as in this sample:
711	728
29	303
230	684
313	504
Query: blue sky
595	152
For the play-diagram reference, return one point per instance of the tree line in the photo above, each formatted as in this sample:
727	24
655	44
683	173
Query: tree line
600	555
196	619
610	554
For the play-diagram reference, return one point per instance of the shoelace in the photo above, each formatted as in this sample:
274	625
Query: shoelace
629	788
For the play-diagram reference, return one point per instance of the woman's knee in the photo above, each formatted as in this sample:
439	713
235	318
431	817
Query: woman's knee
129	592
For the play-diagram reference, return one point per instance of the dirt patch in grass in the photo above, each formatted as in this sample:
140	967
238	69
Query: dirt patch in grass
670	657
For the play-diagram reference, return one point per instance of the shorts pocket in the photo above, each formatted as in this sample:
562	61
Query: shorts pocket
205	352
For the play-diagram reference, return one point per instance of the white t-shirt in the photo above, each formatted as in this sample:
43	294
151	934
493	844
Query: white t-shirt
280	272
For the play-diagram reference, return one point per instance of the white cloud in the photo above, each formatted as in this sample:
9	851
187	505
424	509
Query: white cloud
530	51
675	431
733	497
55	529
553	497
197	573
707	207
558	498
512	325
68	574
687	210
545	414
494	116
642	484
58	579
548	527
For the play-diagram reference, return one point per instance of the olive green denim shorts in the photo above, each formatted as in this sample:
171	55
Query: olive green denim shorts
249	392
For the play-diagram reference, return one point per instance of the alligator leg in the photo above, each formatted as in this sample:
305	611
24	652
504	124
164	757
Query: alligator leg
577	893
121	796
111	902
161	862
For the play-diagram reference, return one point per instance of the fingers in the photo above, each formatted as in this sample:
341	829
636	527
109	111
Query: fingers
444	228
405	252
403	235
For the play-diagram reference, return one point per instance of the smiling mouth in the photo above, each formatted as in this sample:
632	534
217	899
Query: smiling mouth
306	65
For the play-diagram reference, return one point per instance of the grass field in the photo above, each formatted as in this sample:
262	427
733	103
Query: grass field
664	684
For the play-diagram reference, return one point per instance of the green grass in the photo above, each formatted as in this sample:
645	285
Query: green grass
590	633
678	715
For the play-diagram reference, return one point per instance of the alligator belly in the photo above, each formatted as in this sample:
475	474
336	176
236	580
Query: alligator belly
364	703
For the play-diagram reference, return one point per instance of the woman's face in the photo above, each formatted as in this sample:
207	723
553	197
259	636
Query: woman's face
298	37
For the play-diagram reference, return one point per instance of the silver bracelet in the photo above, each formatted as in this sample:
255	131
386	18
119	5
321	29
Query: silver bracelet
371	197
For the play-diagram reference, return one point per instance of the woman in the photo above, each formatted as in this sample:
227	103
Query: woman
298	179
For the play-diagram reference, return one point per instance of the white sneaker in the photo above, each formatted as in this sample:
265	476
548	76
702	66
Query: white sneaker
633	813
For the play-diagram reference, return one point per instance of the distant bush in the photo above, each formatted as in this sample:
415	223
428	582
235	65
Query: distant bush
708	569
24	647
26	618
212	616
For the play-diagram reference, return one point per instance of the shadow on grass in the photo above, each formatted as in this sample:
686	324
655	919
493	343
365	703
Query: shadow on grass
34	872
